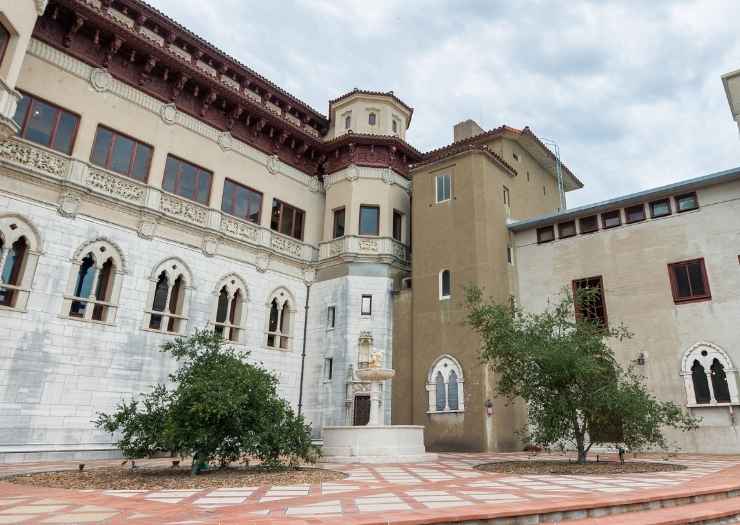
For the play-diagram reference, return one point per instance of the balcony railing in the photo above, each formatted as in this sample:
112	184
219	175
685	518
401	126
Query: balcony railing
355	246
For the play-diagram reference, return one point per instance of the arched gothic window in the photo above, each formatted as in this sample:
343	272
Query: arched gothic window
280	314
445	386
168	300
228	316
709	375
94	283
19	254
347	121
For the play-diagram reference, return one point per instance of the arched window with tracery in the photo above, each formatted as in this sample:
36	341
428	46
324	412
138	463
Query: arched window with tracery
280	313
94	284
168	299
709	376
19	254
228	317
445	386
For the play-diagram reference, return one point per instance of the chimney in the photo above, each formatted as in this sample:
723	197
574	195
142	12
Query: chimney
466	129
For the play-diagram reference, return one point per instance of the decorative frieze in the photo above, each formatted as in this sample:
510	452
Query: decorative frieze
353	172
286	246
240	229
34	158
100	79
69	204
354	246
183	209
116	186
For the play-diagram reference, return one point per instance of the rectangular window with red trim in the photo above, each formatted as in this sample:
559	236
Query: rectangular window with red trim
4	40
241	201
117	152
590	304
689	282
46	124
187	180
287	219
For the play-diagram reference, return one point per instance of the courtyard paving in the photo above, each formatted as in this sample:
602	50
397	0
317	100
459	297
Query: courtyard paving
449	489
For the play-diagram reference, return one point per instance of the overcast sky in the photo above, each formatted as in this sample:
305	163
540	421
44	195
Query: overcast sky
630	90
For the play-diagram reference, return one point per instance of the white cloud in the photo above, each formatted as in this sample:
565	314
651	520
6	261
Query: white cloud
630	90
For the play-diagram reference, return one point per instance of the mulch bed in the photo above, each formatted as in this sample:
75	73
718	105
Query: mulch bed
565	467
111	478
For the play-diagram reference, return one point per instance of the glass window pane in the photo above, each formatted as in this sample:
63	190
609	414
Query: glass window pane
298	225
446	283
41	123
143	160
160	293
452	391
228	196
696	277
440	392
397	225
65	133
85	277
170	175
255	205
204	186
686	202
440	189
123	150
287	225
273	317
188	175
103	139
276	213
240	206
338	223
682	280
223	305
701	385
21	109
369	220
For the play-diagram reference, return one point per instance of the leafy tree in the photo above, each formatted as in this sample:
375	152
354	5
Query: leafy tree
221	409
562	366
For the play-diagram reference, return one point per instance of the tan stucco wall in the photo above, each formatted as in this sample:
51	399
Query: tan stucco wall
633	262
468	236
18	17
76	94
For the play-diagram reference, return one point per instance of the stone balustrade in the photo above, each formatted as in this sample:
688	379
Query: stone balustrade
85	178
355	246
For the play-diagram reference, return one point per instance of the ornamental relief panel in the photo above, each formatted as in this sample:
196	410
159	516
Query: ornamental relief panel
284	245
240	229
368	245
183	210
34	158
116	186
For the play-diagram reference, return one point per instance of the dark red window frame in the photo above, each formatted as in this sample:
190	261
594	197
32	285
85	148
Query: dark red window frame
588	229
201	172
600	314
232	205
545	234
563	225
4	41
397	225
660	201
297	228
608	216
683	196
683	266
631	210
59	112
336	233
132	161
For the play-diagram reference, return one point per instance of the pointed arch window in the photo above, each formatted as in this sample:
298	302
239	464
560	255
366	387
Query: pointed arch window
348	121
228	318
19	253
709	376
95	283
445	386
168	300
280	320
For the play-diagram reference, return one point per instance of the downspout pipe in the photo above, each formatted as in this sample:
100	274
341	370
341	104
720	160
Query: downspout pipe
303	354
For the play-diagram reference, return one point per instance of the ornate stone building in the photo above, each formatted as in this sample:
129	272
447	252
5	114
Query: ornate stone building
150	185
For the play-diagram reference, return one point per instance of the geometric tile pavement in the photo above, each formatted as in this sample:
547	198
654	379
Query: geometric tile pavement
382	492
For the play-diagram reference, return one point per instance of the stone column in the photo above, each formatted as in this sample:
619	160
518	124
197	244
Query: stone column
376	416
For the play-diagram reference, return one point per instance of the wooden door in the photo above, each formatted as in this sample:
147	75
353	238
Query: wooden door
362	410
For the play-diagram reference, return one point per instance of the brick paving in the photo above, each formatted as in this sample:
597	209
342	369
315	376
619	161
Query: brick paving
448	489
